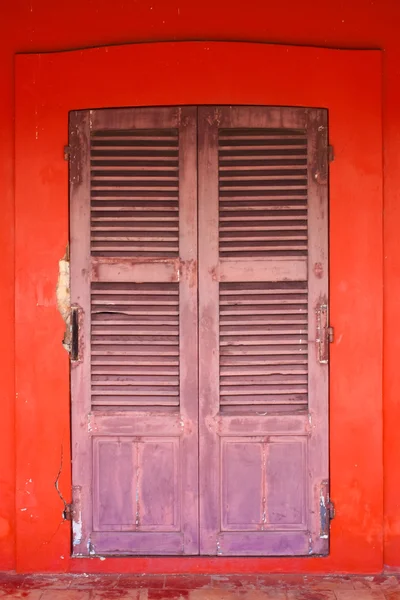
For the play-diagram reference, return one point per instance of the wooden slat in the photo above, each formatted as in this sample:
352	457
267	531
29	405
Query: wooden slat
240	232
131	270
260	424
260	347
112	180
126	119
123	342
257	270
134	423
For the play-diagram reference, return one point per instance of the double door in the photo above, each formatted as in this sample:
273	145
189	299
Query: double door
199	376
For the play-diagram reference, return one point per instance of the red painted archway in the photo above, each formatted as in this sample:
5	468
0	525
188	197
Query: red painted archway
348	83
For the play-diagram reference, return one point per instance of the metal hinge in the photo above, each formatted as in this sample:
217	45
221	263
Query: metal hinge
68	512
67	152
331	509
326	509
331	154
324	333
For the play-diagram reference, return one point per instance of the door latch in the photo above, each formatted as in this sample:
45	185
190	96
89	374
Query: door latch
76	321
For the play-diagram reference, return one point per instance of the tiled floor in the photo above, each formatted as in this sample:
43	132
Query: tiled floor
198	587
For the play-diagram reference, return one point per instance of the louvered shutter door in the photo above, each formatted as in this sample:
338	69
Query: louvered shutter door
263	260
134	285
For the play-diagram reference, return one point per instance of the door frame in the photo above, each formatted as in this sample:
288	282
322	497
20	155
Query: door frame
348	84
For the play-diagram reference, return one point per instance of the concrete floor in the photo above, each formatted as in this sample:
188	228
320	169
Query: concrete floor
198	587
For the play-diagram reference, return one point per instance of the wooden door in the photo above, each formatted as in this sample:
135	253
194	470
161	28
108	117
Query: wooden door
263	285
134	296
225	452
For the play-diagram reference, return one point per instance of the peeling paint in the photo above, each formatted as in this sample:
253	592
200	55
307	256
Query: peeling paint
77	531
64	297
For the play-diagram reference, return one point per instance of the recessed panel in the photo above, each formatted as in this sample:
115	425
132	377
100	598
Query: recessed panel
157	481
285	482
136	484
263	483
114	483
241	484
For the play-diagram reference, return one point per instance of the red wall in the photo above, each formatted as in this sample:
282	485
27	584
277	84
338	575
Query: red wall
44	26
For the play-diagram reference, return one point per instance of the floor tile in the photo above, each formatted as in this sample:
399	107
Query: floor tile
89	582
140	581
113	594
321	583
65	595
48	582
234	581
188	582
266	594
198	587
168	594
359	594
21	594
214	594
310	594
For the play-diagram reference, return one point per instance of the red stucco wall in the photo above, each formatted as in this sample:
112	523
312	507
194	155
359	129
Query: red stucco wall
43	26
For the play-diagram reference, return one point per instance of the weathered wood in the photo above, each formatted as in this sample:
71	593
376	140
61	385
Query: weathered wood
79	141
261	233
205	376
209	476
318	256
139	289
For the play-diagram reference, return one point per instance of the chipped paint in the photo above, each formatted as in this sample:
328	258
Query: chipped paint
77	531
324	510
63	295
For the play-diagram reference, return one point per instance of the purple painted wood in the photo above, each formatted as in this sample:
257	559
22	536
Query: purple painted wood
136	476
318	257
257	419
209	475
80	296
261	463
134	274
262	230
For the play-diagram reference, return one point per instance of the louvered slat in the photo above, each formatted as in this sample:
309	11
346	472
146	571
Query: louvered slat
135	344
134	193
262	193
263	344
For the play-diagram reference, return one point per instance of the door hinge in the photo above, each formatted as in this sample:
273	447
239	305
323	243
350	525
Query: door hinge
68	512
331	509
331	154
324	333
67	152
326	509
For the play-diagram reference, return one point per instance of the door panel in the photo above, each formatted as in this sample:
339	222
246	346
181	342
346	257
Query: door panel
262	282
134	284
255	496
216	388
139	478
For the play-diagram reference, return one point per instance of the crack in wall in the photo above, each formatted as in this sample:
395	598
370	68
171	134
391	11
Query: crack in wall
56	485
